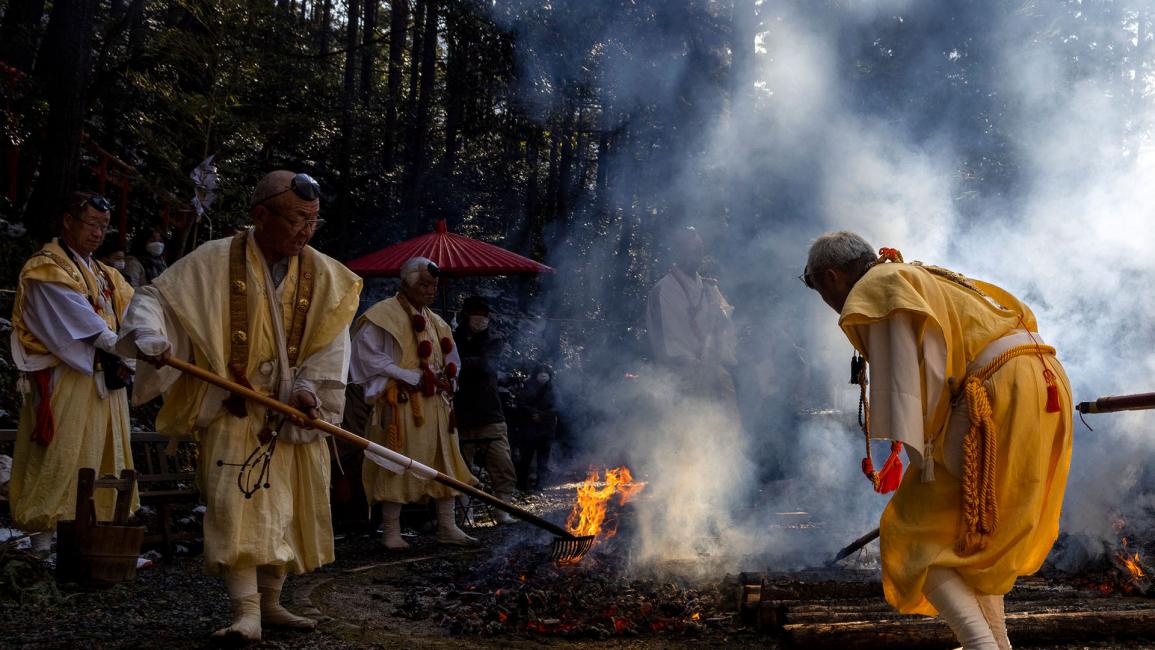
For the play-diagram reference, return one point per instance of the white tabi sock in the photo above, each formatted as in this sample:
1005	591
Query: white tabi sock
958	605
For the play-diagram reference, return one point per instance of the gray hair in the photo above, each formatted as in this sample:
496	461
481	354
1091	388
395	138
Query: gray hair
838	250
412	268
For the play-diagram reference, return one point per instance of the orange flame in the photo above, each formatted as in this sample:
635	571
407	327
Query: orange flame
1131	561
593	496
696	616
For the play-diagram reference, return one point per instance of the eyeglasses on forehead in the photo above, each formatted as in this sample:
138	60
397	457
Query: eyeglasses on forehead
303	185
97	201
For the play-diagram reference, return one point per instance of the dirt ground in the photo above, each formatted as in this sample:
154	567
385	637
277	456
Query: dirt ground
372	598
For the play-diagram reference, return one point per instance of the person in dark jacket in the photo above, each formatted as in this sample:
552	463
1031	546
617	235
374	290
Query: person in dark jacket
538	426
477	404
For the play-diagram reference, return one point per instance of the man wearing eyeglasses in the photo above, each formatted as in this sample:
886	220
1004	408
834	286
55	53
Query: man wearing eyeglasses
263	309
959	375
75	412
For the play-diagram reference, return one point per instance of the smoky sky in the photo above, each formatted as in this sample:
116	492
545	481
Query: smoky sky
1007	141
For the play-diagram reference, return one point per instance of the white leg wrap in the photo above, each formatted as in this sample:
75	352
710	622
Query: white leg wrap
246	625
391	527
996	616
958	605
447	530
270	580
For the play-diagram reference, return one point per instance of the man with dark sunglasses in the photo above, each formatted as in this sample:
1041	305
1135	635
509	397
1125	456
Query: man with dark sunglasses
75	413
263	309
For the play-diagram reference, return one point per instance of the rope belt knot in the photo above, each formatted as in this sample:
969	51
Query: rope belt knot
980	512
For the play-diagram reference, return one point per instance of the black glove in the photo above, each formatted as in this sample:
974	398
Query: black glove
117	374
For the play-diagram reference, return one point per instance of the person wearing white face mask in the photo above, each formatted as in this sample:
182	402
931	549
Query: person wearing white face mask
478	404
112	254
147	260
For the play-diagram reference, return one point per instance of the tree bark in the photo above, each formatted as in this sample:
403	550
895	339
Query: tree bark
326	24
398	22
455	64
369	49
348	99
64	70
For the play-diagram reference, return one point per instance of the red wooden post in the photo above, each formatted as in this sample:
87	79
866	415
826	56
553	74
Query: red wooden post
123	210
102	172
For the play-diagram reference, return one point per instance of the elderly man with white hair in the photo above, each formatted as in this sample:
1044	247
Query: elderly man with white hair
405	358
959	375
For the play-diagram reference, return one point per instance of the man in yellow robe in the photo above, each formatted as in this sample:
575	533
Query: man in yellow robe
266	309
68	307
405	358
960	375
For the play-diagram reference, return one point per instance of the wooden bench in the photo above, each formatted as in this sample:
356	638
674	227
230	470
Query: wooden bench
161	480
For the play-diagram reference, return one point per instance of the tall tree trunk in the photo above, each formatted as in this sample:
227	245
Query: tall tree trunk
326	29
64	69
369	49
348	99
398	21
421	127
409	192
19	33
455	73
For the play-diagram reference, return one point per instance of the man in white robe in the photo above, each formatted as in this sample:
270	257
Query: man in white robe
259	308
64	334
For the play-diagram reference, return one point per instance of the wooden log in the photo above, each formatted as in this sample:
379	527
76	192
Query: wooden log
1024	628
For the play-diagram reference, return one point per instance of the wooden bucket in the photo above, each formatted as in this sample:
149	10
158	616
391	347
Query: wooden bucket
93	553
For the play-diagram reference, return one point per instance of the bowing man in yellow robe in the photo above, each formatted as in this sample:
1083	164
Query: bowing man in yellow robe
67	310
266	309
405	357
960	375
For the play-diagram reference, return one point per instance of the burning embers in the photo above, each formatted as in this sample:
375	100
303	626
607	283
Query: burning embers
594	496
1127	572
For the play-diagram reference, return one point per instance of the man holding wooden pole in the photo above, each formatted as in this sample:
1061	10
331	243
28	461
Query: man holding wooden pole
264	310
959	375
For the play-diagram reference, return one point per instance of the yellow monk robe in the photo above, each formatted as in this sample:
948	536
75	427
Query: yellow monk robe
289	523
91	430
433	443
921	523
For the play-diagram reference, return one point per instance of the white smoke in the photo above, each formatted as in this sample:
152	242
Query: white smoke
1030	166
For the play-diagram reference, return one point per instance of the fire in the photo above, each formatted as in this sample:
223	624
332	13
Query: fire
696	616
1131	561
594	495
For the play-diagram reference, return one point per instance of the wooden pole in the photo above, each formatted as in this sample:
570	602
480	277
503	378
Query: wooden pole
370	448
1136	402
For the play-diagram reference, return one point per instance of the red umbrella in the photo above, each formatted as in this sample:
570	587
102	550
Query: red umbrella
454	254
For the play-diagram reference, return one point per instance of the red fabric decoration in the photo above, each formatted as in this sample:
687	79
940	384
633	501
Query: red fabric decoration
424	349
45	429
418	322
891	473
868	468
428	380
1052	392
446	345
451	370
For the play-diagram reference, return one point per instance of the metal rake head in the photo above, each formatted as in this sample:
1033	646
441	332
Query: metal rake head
570	550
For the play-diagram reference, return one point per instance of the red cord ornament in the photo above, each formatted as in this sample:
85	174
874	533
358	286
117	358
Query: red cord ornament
424	349
451	370
418	323
446	345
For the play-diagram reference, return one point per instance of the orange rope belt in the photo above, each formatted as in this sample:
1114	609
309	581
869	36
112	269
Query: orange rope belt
980	512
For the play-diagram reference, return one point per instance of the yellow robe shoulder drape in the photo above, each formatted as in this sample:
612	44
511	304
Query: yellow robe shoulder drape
90	431
433	443
920	524
288	523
